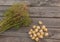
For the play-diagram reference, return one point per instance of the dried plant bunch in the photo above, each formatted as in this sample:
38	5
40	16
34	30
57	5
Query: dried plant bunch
15	16
38	32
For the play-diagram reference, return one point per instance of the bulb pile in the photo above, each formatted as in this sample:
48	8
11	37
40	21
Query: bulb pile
38	32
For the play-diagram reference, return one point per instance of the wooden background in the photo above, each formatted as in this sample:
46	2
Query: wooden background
47	11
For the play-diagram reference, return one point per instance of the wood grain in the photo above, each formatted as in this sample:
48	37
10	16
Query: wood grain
33	2
17	39
54	33
49	22
48	11
25	35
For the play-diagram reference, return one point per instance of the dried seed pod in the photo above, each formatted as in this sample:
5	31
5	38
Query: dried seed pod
40	22
41	30
30	32
34	26
38	34
45	29
42	33
37	39
41	36
46	34
38	27
36	30
33	32
33	37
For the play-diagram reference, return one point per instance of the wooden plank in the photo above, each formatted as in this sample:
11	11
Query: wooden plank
18	32
17	39
53	12
45	11
50	3
2	39
4	7
49	22
33	2
54	33
26	29
25	35
10	2
50	40
42	15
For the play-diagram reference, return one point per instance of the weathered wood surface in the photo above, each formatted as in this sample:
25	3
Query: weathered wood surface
33	2
47	11
39	11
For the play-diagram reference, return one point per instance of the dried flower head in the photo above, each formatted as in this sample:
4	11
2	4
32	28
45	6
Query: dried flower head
15	16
